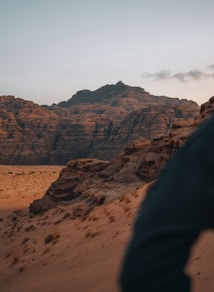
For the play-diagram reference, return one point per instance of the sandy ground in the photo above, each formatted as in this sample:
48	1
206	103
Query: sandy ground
54	252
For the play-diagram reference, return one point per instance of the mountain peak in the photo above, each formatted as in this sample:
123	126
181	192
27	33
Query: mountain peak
103	94
120	83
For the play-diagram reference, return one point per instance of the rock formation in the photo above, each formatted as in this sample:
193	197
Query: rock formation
86	183
27	132
107	119
92	124
154	159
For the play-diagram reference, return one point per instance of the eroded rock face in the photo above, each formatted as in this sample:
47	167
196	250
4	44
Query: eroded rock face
206	110
86	183
27	132
107	119
92	124
154	159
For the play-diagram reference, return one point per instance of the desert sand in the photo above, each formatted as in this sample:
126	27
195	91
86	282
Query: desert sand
55	252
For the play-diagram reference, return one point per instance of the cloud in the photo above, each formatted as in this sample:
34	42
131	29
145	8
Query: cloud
194	74
163	74
211	67
183	77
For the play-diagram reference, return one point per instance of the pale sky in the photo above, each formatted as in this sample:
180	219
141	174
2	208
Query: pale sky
50	49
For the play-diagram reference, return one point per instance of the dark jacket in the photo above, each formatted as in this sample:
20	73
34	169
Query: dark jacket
177	208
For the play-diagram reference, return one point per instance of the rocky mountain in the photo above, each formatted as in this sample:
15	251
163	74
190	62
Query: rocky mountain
27	132
92	124
86	183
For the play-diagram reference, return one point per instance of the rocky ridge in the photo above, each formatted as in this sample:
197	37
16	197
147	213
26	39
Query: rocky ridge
86	183
92	124
27	131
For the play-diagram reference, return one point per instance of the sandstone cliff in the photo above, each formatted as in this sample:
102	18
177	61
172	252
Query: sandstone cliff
92	124
27	131
107	119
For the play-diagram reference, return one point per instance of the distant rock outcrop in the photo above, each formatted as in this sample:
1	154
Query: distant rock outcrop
107	119
86	183
27	132
92	124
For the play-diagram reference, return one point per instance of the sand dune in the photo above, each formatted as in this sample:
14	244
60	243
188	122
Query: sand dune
55	252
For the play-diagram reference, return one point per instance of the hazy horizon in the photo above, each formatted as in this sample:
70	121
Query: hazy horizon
52	49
